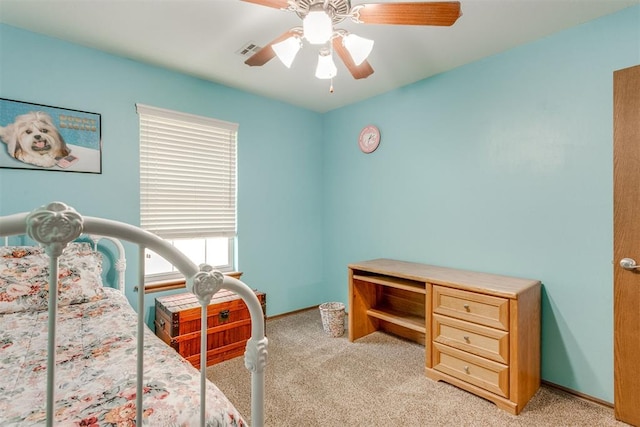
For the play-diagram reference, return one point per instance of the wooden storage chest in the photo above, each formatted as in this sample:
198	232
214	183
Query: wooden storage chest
228	325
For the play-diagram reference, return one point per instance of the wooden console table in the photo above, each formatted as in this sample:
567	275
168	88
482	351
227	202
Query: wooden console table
481	331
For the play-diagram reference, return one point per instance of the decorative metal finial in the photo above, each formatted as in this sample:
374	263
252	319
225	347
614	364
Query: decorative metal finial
255	355
206	283
54	225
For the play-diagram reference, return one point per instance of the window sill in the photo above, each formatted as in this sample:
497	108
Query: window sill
169	285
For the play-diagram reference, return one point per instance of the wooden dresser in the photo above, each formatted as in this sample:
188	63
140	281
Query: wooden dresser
481	331
228	325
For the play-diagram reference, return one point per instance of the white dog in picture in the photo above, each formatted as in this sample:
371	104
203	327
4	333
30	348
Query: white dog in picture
33	138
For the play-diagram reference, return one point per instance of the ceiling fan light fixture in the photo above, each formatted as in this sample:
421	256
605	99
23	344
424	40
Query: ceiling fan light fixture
287	50
317	27
319	17
326	68
359	48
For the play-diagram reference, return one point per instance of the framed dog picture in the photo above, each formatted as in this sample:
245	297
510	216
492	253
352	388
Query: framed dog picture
34	136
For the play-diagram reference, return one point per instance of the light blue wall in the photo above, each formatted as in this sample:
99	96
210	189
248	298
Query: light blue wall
279	173
502	166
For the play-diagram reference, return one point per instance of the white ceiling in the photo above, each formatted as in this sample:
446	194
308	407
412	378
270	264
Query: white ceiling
202	38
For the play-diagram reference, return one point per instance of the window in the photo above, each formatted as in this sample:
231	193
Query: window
187	188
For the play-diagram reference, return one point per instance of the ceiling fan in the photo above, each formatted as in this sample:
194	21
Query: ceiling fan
319	18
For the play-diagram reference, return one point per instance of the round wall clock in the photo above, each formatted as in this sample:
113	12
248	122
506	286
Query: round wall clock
369	139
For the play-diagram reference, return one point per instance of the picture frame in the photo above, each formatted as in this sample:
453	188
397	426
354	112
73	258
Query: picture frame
44	137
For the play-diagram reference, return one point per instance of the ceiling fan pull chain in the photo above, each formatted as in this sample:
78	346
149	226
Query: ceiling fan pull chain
331	86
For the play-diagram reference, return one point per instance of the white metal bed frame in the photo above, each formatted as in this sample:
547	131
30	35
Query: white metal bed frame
56	224
120	264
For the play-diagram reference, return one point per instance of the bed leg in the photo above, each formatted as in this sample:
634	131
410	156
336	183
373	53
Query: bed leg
255	360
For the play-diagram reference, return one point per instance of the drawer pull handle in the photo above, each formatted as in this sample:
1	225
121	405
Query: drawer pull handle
466	307
466	369
466	338
224	315
162	323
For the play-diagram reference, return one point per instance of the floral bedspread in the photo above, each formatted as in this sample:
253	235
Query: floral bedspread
95	376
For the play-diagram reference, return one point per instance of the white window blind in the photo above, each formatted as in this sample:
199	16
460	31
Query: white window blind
187	174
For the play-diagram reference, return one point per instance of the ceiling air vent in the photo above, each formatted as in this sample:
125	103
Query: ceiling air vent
248	49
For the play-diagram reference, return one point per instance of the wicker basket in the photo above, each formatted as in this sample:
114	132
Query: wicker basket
332	314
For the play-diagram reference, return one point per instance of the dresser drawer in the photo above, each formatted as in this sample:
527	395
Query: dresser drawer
483	373
473	307
477	339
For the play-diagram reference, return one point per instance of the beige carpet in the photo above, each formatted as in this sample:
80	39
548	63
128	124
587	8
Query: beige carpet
315	380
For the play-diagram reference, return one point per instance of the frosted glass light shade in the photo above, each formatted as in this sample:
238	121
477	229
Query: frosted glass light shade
287	50
317	27
358	47
326	67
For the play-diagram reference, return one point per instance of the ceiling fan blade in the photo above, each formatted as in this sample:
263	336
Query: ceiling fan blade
421	13
266	54
276	4
361	71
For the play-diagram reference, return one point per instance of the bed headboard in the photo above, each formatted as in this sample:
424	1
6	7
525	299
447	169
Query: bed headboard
120	262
